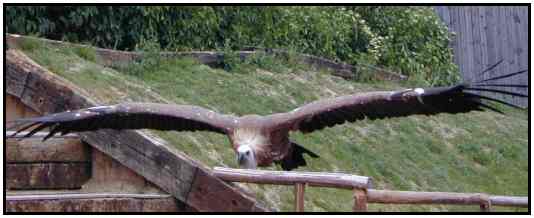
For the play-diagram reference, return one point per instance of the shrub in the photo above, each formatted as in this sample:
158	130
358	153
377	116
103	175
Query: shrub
410	40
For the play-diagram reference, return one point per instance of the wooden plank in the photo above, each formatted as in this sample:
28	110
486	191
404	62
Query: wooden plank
206	190
486	35
360	200
299	196
47	175
94	202
14	196
169	169
322	179
15	109
53	149
15	76
108	175
154	162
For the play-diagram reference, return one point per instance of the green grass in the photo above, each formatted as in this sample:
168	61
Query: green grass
474	152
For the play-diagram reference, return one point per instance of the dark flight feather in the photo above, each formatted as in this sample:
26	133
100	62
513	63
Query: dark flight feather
503	76
491	67
129	116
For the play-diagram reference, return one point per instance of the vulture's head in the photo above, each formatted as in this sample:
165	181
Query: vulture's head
246	157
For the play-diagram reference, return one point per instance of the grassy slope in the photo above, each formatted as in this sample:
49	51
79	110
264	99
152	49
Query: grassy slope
475	152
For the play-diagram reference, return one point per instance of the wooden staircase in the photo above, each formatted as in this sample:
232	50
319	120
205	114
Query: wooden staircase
63	174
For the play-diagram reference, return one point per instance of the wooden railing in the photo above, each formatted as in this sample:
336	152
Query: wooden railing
362	188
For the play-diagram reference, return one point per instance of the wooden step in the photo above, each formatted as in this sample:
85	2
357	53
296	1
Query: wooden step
91	202
62	162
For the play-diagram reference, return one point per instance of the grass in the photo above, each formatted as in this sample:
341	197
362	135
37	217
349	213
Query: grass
474	152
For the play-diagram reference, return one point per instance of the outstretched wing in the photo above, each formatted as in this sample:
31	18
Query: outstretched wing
129	116
377	105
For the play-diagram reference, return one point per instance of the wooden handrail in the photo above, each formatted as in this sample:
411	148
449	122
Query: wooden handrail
335	180
411	197
361	186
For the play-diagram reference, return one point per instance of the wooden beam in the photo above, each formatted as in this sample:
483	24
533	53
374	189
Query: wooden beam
156	161
409	197
299	197
55	149
93	202
24	197
360	200
47	175
322	179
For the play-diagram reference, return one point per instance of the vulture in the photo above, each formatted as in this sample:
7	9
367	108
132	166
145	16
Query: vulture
264	140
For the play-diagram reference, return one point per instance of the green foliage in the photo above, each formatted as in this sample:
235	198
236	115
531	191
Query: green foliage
29	44
150	50
409	40
412	40
86	52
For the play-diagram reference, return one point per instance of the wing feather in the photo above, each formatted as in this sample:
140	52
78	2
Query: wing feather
130	116
379	105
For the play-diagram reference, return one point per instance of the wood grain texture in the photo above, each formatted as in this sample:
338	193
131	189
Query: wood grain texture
14	109
90	202
51	150
485	35
299	197
207	191
360	200
47	175
108	175
409	197
322	179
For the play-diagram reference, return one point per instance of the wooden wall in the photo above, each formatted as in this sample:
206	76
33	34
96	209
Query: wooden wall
487	34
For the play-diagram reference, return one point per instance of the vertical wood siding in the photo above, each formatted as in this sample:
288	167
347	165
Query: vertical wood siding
486	34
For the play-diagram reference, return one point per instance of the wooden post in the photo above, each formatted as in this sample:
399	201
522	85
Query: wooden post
360	200
485	203
299	197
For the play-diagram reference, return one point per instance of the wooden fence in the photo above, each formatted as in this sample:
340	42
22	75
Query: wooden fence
362	188
484	35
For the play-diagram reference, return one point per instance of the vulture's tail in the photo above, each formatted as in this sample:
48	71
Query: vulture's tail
296	158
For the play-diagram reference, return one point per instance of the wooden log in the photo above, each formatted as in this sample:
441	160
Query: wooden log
55	149
360	200
94	202
153	159
509	201
47	175
322	179
409	197
299	197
